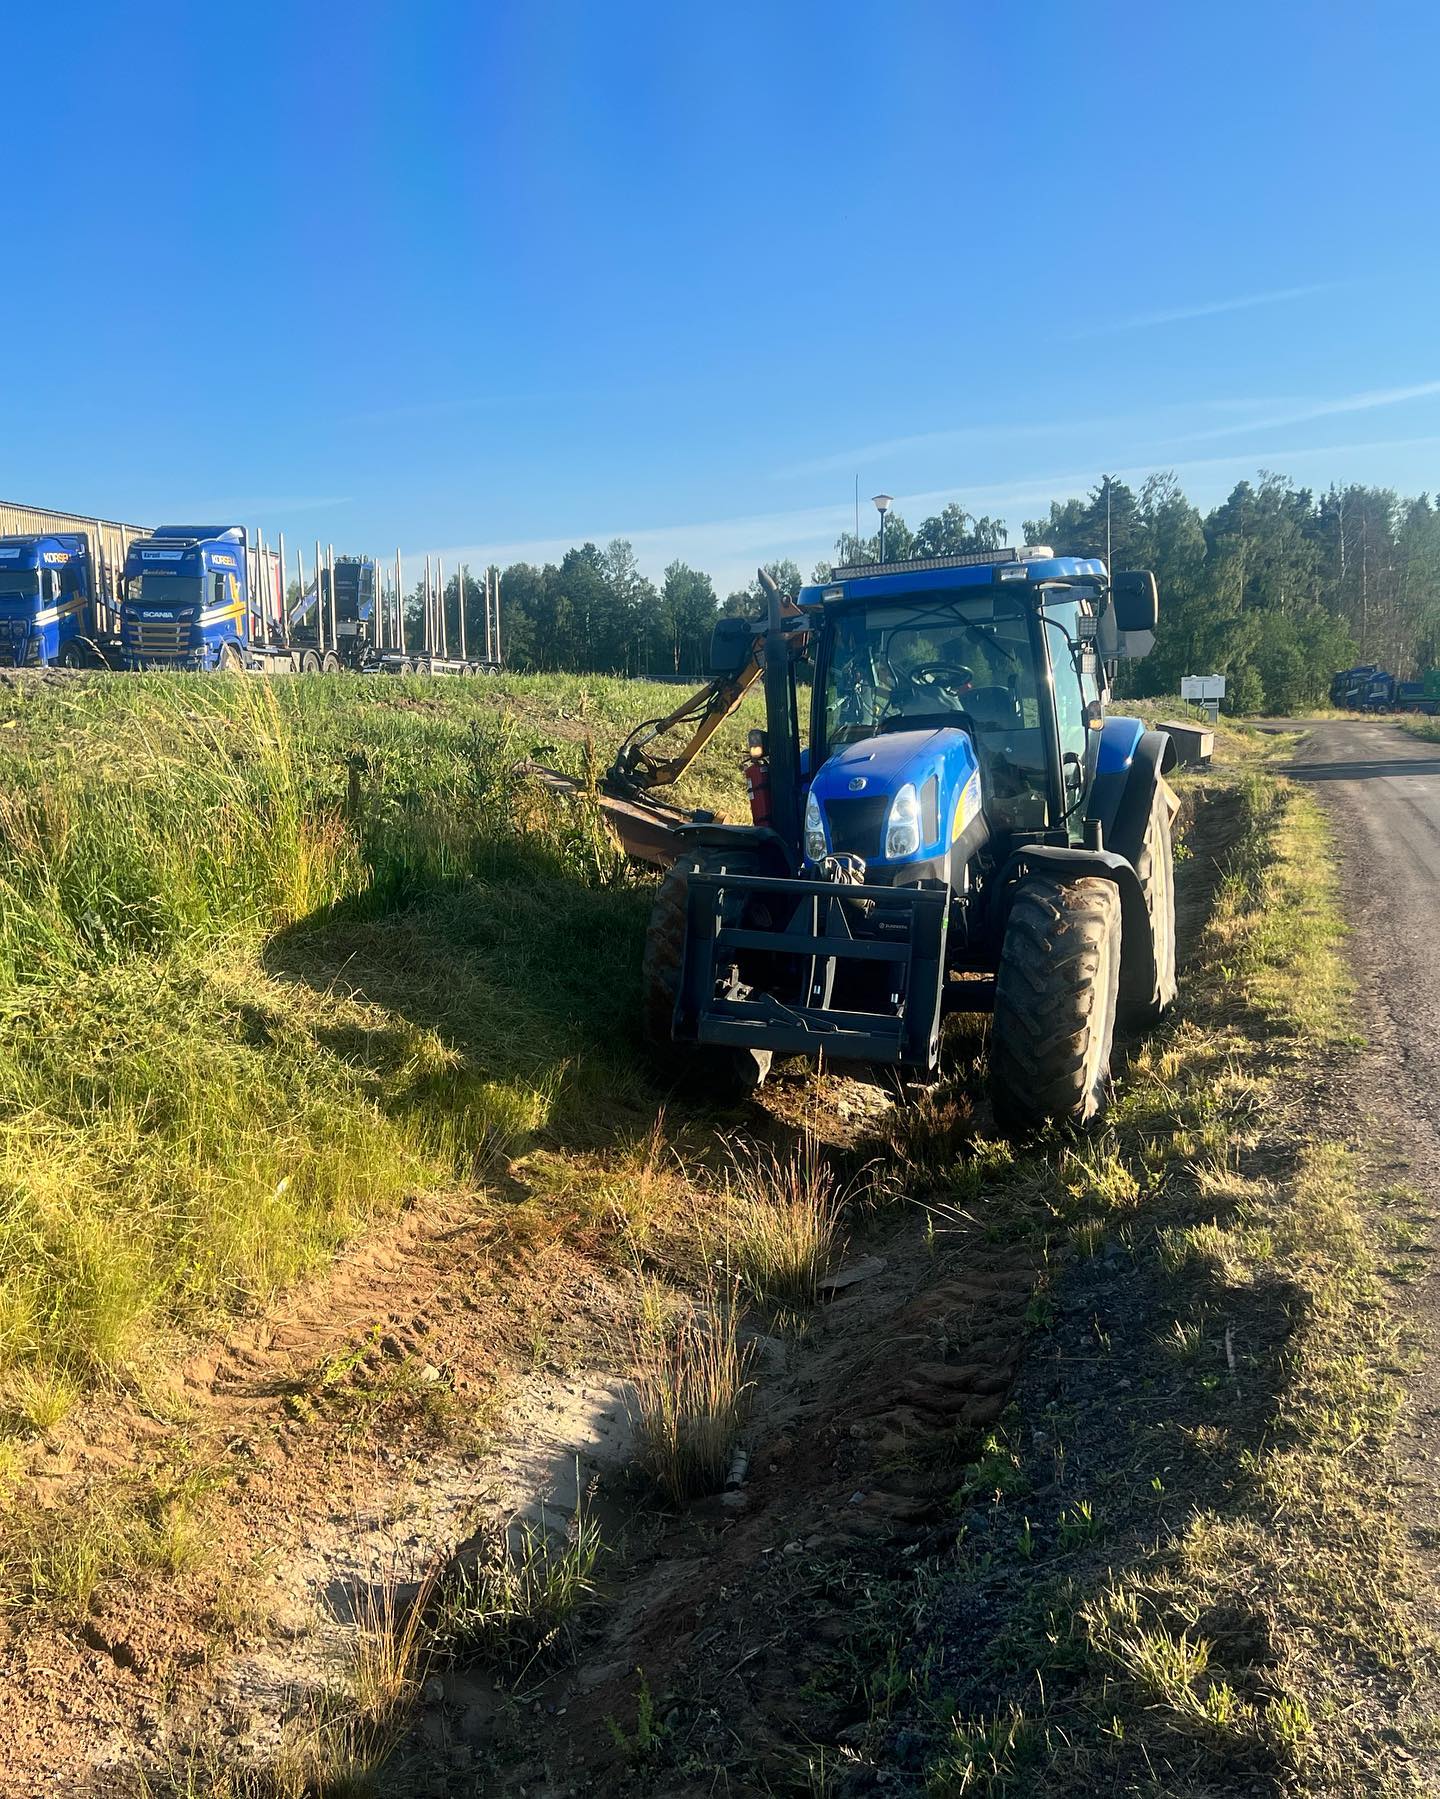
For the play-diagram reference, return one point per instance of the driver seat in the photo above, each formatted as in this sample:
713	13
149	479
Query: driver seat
993	706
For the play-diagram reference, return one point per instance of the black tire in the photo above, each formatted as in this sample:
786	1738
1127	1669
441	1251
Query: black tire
407	667
310	662
423	667
231	661
329	663
73	655
1055	1003
721	1072
1155	866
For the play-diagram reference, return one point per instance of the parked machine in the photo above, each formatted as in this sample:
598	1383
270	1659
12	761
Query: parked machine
965	827
366	634
1365	688
52	608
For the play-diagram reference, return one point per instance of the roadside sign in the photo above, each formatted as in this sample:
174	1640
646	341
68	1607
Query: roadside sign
1202	687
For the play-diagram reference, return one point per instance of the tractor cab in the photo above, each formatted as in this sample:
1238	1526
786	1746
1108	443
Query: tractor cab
952	697
964	821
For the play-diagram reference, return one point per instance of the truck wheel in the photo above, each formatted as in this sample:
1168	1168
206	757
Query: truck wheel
407	667
72	655
1155	866
712	1068
1055	1002
310	662
330	663
231	662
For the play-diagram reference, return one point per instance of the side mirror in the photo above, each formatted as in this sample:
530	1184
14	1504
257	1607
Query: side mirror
732	644
1135	598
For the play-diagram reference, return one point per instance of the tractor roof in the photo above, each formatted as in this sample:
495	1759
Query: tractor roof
930	574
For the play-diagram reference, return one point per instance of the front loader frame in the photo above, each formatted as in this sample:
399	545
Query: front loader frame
818	936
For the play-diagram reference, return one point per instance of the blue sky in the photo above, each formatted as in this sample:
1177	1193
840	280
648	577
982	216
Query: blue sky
489	280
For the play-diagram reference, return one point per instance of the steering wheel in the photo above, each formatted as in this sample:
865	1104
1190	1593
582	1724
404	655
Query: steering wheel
944	677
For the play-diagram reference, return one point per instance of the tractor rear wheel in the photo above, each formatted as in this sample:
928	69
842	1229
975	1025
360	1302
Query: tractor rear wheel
73	655
713	1068
1055	1003
1155	866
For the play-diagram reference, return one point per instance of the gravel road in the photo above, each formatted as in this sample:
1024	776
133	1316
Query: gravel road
1381	787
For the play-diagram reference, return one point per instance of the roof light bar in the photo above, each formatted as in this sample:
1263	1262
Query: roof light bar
920	564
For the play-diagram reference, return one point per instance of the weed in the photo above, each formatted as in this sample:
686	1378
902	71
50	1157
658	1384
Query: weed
643	1743
519	1601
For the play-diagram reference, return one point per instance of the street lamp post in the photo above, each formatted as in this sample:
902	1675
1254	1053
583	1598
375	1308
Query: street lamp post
883	504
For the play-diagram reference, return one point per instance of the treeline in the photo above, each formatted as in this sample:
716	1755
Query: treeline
1276	588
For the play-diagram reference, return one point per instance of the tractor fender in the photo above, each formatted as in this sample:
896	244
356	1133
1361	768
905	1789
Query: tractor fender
755	840
1137	951
1131	764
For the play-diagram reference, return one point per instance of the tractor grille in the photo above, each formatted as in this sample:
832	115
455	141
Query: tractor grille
855	825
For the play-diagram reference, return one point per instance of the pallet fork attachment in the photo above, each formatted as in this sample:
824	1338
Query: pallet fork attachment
715	1005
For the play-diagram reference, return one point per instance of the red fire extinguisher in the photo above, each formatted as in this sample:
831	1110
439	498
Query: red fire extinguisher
757	779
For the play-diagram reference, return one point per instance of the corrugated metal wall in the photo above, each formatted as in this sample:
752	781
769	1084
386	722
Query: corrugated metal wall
108	541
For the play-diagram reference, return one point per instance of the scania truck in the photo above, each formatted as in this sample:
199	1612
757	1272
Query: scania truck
201	597
51	610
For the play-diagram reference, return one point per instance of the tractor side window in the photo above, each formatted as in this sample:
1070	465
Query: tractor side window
1072	690
219	589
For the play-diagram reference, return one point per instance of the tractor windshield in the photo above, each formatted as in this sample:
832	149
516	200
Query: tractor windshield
931	661
19	584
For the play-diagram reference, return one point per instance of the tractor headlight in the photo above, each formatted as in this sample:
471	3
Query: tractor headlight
815	846
902	828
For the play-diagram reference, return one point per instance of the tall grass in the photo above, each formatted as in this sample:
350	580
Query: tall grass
274	957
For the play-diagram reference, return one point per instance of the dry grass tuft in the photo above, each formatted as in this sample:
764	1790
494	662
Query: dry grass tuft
782	1222
691	1397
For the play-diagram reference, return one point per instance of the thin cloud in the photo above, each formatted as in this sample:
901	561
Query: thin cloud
1370	401
1204	309
952	438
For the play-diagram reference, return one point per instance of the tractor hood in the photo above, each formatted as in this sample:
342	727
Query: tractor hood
857	787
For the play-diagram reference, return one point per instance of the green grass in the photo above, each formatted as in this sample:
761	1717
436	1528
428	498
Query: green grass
1177	1565
276	959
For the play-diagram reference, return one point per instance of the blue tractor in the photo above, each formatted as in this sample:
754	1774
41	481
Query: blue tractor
965	828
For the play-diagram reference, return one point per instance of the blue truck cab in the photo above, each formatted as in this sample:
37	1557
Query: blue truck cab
186	601
47	600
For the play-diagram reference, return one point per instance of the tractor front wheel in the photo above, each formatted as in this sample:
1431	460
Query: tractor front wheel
1155	865
1055	1003
716	1069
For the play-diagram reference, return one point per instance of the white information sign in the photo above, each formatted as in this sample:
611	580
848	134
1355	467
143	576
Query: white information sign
1202	687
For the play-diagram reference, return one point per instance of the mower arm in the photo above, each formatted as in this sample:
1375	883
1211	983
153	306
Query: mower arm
637	769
